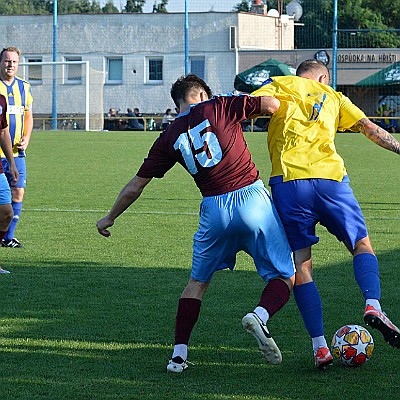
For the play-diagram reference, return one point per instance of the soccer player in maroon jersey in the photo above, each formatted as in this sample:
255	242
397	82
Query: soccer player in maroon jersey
236	212
6	211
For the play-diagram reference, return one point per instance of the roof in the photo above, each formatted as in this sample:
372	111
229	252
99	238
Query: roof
387	76
253	78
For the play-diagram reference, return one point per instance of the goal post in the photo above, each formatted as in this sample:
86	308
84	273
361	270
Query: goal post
66	90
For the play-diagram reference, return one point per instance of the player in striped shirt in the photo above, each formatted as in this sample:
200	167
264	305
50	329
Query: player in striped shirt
6	212
20	121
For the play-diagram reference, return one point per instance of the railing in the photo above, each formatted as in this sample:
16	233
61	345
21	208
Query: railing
153	123
75	122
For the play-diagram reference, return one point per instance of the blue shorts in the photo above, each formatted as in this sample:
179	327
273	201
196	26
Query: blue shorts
5	192
21	167
303	203
244	219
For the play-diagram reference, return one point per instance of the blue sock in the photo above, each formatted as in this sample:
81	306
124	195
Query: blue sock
310	307
366	272
17	208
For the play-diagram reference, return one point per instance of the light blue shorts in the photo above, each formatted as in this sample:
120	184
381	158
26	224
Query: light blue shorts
303	203
246	220
5	192
21	167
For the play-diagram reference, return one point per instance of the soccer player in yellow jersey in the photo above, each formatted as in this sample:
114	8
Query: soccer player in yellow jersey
309	184
20	121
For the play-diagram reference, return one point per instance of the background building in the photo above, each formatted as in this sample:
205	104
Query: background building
135	58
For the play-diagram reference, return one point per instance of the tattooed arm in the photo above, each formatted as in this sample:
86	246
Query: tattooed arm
377	135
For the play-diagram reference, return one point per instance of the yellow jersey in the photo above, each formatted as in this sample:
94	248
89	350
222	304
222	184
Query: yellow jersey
301	132
19	99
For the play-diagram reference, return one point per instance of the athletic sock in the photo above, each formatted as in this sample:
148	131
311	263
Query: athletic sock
17	208
262	313
186	317
374	303
274	296
318	342
366	272
180	350
310	306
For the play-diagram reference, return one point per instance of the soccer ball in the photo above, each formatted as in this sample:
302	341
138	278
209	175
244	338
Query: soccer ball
352	345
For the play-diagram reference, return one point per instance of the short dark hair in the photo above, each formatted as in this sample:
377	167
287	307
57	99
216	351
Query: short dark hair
311	66
185	84
10	49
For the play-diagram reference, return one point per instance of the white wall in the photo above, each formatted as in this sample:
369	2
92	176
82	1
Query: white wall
135	37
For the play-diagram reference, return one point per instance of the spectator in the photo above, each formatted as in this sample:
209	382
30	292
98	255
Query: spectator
138	121
110	122
167	119
130	114
386	122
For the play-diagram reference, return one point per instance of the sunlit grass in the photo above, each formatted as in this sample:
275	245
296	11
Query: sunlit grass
88	317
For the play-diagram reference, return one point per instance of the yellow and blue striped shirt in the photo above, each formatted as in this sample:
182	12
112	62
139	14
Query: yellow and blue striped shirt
19	99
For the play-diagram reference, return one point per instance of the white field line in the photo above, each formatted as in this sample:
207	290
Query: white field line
77	210
106	211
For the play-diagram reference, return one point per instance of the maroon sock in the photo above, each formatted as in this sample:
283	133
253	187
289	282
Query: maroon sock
186	317
2	235
275	295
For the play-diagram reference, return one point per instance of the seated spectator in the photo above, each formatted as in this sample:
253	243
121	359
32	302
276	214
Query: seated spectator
130	114
110	120
167	119
387	123
138	122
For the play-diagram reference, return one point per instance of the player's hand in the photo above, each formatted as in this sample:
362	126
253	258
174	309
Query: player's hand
23	144
14	173
103	224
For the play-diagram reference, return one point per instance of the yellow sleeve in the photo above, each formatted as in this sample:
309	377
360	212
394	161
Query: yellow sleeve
349	114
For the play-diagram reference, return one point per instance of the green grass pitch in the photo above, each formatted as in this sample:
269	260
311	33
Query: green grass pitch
88	317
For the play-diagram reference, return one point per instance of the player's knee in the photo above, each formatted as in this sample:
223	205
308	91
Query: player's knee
17	194
6	215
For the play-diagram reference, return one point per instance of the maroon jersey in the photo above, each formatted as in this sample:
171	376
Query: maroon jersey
3	119
208	141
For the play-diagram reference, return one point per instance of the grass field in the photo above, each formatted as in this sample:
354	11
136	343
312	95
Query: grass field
88	317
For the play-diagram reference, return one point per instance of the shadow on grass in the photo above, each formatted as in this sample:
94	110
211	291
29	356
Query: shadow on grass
90	331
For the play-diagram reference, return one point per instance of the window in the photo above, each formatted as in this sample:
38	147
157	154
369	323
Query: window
114	70
34	72
155	69
197	66
73	72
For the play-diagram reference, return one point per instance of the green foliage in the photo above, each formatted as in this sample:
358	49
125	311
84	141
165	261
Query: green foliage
135	6
161	7
243	6
109	8
371	22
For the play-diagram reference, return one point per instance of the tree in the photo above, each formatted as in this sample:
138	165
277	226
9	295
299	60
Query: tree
160	8
371	21
243	6
134	6
109	8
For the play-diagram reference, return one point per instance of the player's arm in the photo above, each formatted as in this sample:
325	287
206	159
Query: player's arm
129	194
6	145
269	105
28	126
378	135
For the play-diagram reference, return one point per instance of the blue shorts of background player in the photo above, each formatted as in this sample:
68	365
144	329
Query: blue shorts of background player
21	166
5	192
247	220
303	203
